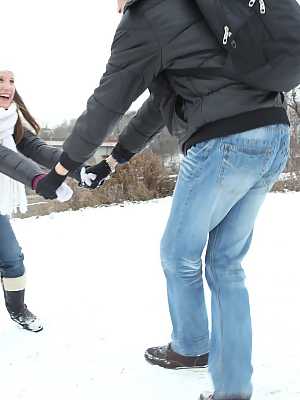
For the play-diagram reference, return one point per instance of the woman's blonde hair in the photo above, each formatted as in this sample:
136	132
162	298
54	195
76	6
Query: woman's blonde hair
19	128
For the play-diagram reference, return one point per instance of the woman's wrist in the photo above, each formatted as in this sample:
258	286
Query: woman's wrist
36	180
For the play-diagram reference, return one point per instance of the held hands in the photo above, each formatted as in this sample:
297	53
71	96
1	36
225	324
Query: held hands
51	186
64	193
93	177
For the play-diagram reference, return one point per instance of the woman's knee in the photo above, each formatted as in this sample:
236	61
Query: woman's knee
13	267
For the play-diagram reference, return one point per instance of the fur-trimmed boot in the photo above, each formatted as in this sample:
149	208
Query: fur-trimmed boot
14	293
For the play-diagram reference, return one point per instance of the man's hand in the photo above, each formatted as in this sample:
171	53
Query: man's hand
93	177
48	184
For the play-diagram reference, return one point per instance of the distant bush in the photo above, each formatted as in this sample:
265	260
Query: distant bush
143	178
288	182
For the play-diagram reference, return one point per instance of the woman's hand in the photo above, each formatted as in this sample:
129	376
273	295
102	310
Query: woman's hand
47	185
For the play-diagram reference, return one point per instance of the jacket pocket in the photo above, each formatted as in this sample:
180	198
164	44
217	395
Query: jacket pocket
178	125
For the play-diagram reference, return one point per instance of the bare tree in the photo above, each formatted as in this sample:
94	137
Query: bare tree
293	101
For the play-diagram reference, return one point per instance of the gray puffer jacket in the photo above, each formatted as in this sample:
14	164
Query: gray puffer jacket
26	164
155	46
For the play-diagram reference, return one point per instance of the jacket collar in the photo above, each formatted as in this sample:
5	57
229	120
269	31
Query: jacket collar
129	3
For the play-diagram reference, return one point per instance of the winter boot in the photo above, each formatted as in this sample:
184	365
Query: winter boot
165	357
14	293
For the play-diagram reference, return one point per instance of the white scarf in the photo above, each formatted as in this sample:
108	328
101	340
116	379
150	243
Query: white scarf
12	193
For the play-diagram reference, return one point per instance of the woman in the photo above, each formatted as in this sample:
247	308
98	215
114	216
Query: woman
21	152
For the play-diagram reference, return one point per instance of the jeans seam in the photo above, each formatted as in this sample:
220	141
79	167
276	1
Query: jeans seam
187	197
221	149
213	274
274	178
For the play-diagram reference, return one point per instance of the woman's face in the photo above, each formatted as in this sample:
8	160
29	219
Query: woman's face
7	88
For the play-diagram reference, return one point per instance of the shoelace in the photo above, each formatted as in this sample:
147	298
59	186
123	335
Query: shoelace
228	33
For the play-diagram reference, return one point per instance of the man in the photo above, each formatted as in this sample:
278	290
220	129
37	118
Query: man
235	139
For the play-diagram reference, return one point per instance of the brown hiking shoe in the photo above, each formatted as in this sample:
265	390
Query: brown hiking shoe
206	397
211	397
165	357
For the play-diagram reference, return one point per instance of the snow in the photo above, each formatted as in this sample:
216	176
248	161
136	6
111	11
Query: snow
94	277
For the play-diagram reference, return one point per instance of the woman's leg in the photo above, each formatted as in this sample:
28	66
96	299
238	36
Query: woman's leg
13	278
11	257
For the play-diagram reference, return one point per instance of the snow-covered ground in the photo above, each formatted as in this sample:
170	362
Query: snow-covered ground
94	277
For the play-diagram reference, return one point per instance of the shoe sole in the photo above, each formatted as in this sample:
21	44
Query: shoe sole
168	365
27	329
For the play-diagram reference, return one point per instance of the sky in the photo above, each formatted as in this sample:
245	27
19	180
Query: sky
58	51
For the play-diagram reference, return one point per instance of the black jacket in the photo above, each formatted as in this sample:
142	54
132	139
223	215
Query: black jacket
158	45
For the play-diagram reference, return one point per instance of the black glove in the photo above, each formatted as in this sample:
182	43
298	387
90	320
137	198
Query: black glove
101	171
48	185
76	174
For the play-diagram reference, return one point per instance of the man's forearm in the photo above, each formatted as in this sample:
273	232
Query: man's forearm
142	128
89	132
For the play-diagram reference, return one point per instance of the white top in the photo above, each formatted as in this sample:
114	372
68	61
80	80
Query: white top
12	193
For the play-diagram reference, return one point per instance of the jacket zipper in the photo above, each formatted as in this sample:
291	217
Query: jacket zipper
228	33
262	5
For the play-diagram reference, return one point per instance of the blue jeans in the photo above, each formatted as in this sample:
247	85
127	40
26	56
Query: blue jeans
11	257
221	185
